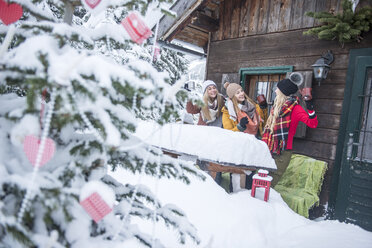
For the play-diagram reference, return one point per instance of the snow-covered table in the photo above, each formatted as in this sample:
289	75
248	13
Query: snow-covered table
225	150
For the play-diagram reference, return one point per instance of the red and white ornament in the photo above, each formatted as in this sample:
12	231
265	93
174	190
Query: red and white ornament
31	146
156	52
10	13
92	3
136	27
97	199
94	6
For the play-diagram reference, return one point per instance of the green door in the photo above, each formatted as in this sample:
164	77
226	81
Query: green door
353	201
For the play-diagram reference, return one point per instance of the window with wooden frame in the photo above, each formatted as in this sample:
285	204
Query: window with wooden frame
263	80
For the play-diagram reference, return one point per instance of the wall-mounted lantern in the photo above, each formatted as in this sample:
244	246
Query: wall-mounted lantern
321	66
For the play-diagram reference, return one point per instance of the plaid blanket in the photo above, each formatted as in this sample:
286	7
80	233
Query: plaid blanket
276	141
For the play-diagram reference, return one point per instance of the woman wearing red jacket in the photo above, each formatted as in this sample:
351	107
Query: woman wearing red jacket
282	124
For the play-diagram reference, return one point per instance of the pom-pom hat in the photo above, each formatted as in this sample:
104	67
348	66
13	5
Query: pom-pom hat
206	84
287	87
231	89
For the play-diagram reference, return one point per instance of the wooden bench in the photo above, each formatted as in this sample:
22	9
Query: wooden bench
215	167
234	152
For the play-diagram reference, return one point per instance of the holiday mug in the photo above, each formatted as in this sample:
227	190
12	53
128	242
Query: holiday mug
306	94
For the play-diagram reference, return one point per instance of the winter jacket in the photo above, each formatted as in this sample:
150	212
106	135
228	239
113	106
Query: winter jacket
262	113
193	109
230	124
299	114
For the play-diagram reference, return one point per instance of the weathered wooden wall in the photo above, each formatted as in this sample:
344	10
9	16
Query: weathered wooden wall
241	18
258	33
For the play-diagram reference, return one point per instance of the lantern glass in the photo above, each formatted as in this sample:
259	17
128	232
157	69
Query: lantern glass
321	71
321	67
318	72
325	72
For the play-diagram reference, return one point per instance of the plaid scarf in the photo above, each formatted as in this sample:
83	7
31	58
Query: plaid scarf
276	141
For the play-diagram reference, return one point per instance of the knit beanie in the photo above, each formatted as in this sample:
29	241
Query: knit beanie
287	87
231	89
206	84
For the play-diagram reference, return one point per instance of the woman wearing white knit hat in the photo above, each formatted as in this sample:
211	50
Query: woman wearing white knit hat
210	113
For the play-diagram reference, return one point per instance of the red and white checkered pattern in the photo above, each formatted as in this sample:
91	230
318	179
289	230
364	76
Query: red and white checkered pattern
136	28
31	146
96	207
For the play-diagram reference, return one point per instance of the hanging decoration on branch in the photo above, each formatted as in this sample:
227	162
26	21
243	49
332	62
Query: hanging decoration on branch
31	146
97	199
10	12
94	6
155	48
136	28
92	3
35	151
156	52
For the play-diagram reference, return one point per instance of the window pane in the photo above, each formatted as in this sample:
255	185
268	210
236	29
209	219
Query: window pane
273	88
261	88
365	138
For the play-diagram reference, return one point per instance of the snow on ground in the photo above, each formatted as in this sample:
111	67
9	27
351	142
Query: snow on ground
238	220
232	220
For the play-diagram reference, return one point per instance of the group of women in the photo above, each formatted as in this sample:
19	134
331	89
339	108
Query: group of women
240	113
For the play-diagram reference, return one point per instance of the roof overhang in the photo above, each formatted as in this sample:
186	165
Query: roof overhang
194	21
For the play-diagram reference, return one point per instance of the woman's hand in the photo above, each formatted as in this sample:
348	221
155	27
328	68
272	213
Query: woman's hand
310	104
243	123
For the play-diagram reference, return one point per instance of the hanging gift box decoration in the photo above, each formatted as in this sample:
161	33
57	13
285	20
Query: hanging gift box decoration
31	146
97	199
136	28
10	13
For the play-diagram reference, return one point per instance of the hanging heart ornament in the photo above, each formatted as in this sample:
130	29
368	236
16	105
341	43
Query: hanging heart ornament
31	146
10	13
92	3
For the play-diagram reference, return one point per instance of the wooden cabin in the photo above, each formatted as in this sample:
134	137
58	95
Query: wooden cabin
257	43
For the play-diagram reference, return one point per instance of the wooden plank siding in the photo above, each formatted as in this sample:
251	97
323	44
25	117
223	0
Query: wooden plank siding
270	33
263	16
240	18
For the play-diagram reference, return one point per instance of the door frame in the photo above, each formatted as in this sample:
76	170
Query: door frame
339	189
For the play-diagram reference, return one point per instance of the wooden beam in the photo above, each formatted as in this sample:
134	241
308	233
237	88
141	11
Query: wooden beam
183	9
214	167
193	36
204	22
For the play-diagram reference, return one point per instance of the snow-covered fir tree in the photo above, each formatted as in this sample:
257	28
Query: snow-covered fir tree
172	62
75	79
